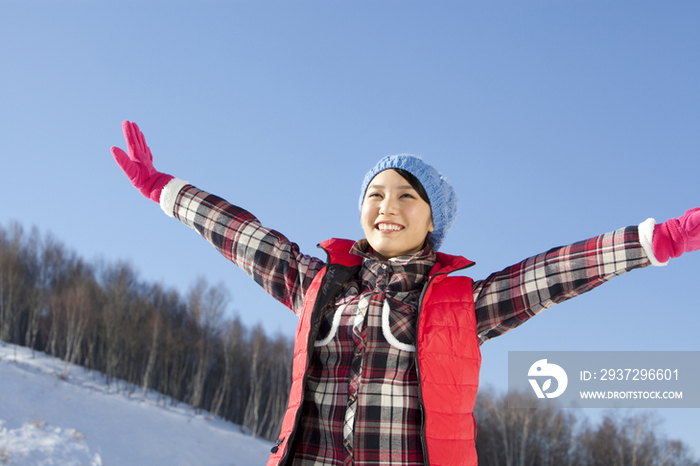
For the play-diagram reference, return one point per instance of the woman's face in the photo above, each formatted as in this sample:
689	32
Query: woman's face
395	219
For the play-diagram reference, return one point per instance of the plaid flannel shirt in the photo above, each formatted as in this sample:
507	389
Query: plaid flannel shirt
361	402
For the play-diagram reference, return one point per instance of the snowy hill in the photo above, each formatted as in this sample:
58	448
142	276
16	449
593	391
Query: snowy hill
45	420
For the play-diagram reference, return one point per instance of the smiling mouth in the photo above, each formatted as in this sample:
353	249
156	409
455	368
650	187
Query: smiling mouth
388	227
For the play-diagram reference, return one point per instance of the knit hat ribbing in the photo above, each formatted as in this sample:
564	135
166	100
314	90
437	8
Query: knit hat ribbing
443	199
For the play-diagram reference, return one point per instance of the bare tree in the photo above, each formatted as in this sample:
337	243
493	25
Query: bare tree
624	440
37	257
68	308
12	279
675	453
279	377
118	285
232	342
155	324
258	363
206	305
73	308
523	436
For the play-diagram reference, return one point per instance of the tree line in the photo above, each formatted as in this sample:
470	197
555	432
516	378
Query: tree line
142	337
549	436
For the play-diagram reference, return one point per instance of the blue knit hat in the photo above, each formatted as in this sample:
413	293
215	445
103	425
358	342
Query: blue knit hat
443	199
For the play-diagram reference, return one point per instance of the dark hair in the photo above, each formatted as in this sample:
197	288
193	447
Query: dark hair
413	181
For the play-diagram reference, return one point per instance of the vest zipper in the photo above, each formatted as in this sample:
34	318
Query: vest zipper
424	444
313	333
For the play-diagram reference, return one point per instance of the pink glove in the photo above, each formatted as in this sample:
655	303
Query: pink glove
138	164
676	236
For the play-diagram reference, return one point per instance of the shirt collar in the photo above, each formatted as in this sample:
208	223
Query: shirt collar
363	249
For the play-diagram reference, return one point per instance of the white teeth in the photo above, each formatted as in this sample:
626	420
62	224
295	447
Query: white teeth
389	226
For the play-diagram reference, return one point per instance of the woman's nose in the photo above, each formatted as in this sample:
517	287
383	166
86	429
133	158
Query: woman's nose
387	206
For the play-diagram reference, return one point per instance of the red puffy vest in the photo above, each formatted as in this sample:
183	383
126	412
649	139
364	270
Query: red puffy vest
448	355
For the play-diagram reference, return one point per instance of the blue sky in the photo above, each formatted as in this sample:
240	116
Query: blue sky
555	121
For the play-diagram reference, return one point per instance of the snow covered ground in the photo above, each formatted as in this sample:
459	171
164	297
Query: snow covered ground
46	421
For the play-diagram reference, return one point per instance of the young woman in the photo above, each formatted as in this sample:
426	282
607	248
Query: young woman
386	360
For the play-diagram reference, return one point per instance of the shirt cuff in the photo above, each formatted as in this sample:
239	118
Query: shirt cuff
646	234
168	195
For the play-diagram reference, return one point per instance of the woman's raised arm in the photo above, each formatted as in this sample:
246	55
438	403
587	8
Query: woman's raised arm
267	256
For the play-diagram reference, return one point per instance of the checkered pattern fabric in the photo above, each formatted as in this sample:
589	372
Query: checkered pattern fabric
508	298
363	388
361	398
